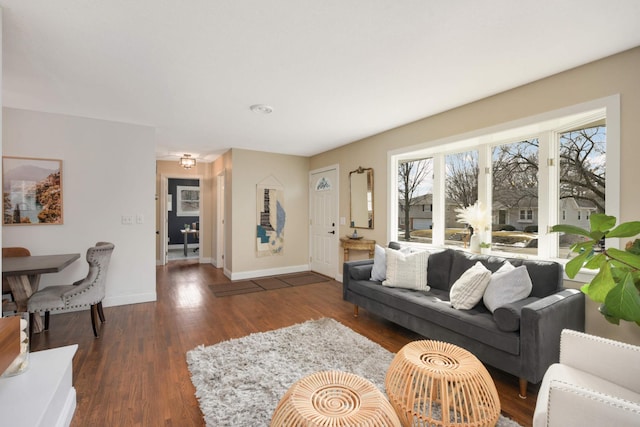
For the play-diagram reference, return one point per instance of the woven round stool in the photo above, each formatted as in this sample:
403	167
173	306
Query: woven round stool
335	399
432	383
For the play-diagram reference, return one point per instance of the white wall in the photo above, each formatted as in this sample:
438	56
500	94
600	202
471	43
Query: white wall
108	170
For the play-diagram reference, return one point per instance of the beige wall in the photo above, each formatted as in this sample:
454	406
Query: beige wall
221	168
171	169
617	74
249	169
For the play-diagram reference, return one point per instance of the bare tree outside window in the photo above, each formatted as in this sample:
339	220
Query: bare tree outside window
582	179
415	179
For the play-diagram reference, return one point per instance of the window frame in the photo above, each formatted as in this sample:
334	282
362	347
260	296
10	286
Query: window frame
546	127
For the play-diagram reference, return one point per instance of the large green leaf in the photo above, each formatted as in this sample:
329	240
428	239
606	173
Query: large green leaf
625	257
626	229
602	222
596	262
583	246
624	301
570	229
575	264
601	284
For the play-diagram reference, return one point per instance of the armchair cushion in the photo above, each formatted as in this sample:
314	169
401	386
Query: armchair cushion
585	394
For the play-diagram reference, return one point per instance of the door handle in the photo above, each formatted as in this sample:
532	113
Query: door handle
332	232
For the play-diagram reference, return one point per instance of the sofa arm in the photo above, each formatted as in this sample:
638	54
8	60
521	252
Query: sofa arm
571	405
541	324
358	270
608	359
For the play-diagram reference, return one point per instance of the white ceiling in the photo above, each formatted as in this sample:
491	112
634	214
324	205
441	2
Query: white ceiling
334	71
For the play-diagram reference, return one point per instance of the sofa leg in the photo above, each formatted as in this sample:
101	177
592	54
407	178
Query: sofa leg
355	310
523	388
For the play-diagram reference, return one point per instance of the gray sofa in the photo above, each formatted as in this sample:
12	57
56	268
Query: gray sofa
526	352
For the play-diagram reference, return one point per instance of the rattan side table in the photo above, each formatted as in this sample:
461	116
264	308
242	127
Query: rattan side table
334	399
427	379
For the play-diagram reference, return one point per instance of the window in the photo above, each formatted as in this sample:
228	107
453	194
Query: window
461	190
415	181
579	215
526	215
526	176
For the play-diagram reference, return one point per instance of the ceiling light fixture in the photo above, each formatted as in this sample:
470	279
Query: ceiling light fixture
187	161
261	108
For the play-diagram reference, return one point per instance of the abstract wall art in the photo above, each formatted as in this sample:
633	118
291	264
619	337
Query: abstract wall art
271	217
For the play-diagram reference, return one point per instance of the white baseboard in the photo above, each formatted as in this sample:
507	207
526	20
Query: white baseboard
129	299
243	275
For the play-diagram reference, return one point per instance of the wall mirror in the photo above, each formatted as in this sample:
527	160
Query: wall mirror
361	188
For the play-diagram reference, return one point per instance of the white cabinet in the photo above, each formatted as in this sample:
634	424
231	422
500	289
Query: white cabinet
43	396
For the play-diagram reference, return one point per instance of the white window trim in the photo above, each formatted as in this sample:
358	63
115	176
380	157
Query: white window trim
538	126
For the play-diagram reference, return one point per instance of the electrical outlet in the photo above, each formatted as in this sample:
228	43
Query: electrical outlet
140	218
127	219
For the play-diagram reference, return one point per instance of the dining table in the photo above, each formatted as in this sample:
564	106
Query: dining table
23	276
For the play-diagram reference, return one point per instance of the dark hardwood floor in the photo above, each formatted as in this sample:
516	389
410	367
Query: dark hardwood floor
135	374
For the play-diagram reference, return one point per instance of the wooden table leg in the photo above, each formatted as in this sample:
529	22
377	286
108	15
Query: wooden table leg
22	287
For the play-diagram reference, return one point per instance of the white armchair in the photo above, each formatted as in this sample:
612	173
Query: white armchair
596	383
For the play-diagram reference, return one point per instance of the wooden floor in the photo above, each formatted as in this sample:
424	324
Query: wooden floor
135	374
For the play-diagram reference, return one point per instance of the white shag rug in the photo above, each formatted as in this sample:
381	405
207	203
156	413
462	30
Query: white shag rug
239	382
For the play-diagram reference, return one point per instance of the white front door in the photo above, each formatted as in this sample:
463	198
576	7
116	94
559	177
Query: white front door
323	190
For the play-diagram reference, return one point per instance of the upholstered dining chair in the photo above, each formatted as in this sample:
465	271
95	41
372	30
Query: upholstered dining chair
87	292
6	289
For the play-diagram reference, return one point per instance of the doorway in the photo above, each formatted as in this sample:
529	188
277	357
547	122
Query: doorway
181	231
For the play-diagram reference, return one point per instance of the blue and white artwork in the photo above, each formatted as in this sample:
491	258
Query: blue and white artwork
271	221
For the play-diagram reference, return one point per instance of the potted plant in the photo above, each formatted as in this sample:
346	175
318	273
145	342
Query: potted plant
485	248
617	284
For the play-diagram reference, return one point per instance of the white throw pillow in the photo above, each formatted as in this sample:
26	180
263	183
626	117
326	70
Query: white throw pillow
467	291
407	270
379	270
507	286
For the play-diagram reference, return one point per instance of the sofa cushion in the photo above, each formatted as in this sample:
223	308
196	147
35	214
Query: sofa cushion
434	306
439	268
507	317
462	261
406	270
360	272
468	290
506	286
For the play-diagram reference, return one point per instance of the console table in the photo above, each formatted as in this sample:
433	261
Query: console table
357	245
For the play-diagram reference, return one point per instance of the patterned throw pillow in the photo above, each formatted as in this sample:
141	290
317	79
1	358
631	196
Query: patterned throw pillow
406	270
468	290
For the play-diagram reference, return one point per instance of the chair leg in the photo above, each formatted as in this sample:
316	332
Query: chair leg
100	312
46	320
93	320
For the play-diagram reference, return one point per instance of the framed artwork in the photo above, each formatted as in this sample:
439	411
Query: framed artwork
31	190
270	217
187	200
